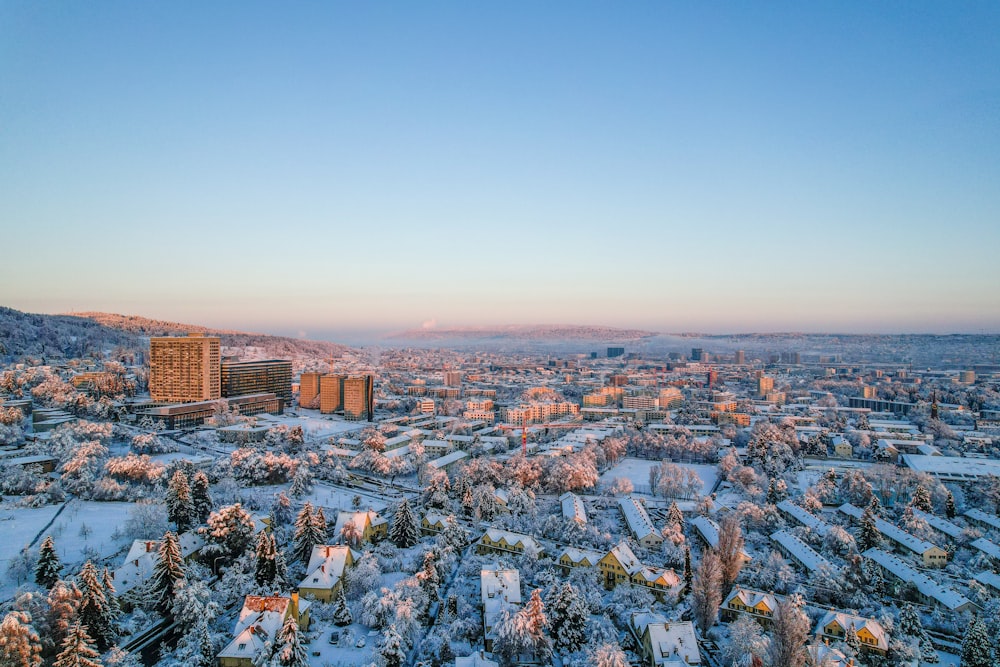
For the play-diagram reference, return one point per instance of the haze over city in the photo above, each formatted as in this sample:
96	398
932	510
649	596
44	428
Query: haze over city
335	169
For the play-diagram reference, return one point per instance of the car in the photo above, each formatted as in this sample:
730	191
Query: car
335	637
360	643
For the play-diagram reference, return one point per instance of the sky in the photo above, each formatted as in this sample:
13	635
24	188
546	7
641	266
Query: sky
315	168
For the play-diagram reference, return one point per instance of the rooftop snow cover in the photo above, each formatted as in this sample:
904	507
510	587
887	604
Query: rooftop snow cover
952	467
846	621
805	517
573	508
801	551
939	524
987	547
982	517
326	566
447	459
897	535
946	597
638	520
709	531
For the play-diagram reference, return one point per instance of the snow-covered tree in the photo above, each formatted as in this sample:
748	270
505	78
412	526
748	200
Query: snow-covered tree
168	574
568	614
48	567
730	548
949	506
289	650
364	577
921	499
201	497
95	611
706	591
746	640
609	655
180	507
78	649
342	612
270	571
789	632
302	481
977	649
229	533
391	649
64	605
868	535
19	643
405	530
114	606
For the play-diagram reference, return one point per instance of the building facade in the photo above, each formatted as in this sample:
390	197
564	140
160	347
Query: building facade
184	369
239	378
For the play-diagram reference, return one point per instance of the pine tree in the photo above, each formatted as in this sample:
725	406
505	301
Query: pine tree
977	650
78	649
868	536
688	573
167	574
320	526
180	506
48	567
609	655
201	497
94	611
949	506
288	648
19	643
302	481
674	515
571	632
429	579
851	639
536	622
305	537
265	567
921	499
64	606
772	492
909	621
405	530
114	606
341	612
391	649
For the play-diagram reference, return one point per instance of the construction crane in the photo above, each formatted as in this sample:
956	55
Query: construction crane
524	431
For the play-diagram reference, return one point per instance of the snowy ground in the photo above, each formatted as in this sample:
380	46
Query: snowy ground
637	470
316	427
345	653
340	498
74	543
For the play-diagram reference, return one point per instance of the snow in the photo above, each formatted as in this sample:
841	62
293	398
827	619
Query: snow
637	471
324	495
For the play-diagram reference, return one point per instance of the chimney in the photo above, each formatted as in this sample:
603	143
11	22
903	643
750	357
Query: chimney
295	606
149	546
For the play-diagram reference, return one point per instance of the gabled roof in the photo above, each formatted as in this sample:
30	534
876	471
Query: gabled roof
801	551
751	598
946	597
626	558
259	621
638	520
846	621
673	642
805	517
326	566
527	541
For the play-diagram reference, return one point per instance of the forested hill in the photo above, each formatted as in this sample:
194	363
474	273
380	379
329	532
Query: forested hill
266	345
57	336
95	334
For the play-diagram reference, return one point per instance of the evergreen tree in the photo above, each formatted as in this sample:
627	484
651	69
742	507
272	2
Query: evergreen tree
180	506
852	640
64	607
391	649
536	623
281	511
454	535
94	612
306	537
19	643
772	492
405	530
167	574
265	567
949	506
302	481
201	497
429	579
78	649
977	650
688	572
674	515
48	567
868	536
288	648
921	499
114	606
229	534
568	616
320	526
909	621
609	655
341	612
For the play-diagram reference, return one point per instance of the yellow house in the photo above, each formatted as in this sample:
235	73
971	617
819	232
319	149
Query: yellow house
260	620
433	523
571	557
370	526
757	604
934	557
871	634
620	565
325	571
503	541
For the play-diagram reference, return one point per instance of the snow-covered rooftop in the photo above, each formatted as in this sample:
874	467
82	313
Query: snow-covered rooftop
805	517
800	551
946	597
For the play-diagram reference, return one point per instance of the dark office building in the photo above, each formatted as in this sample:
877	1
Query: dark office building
615	352
240	378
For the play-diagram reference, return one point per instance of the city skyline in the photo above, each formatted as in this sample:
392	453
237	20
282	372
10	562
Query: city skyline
671	167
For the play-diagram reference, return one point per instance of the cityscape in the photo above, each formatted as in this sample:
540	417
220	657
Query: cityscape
499	334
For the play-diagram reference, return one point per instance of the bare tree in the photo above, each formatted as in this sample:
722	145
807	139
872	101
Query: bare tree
730	548
789	633
706	591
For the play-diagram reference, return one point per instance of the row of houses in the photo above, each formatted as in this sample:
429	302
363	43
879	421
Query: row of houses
931	555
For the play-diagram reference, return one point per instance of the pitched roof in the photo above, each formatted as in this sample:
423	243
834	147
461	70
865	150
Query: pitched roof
846	621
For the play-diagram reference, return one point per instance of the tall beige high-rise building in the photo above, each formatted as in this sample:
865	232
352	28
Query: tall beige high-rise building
357	397
184	369
331	393
308	389
453	378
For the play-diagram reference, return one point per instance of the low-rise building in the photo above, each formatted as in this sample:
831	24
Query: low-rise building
500	591
259	622
573	508
931	555
929	591
325	571
835	624
639	523
757	604
503	541
799	551
370	526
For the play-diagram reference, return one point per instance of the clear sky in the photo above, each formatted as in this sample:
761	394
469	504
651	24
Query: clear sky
315	167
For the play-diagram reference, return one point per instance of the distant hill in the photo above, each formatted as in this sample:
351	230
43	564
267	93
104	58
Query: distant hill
57	336
258	345
537	332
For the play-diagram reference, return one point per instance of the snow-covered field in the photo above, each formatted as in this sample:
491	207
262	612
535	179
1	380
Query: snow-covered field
637	471
315	427
336	497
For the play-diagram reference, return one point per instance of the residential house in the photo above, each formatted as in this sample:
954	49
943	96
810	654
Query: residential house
639	523
500	591
929	591
835	625
571	557
573	508
503	541
259	622
371	526
665	644
932	556
757	604
433	523
799	551
325	571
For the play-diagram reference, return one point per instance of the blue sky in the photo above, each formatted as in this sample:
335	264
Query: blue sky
375	166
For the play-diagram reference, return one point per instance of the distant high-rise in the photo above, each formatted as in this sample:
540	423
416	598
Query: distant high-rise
615	352
740	357
273	376
331	393
453	378
184	369
765	385
358	397
309	389
698	354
